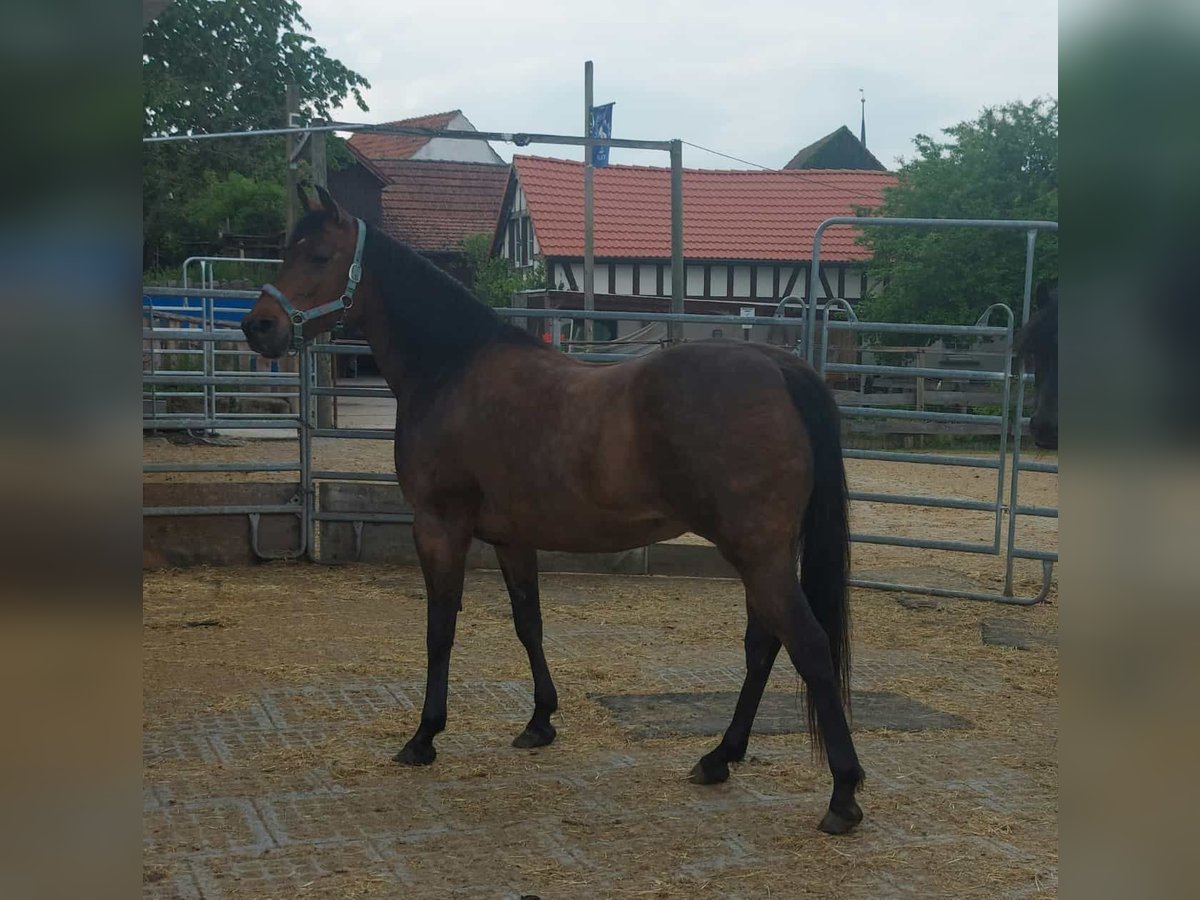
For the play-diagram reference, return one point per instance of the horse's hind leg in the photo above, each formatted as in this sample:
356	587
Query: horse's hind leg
761	649
779	612
519	565
808	647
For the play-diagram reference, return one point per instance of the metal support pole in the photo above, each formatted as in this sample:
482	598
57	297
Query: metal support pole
323	362
1005	397
814	282
589	262
308	498
1030	241
291	110
320	168
678	274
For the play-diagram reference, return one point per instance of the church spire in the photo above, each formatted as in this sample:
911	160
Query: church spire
862	128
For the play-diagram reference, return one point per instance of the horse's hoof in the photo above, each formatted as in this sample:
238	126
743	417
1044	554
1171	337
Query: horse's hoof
535	736
416	754
709	772
843	822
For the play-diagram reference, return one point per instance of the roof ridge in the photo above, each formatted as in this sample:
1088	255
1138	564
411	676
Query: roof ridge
437	115
366	162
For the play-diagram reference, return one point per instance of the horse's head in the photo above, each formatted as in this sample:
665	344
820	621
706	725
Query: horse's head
322	265
1038	343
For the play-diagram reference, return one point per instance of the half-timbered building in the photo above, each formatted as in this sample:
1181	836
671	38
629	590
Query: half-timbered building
747	234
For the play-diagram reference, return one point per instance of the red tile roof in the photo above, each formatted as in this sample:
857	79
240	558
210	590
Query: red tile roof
433	205
365	161
751	215
400	146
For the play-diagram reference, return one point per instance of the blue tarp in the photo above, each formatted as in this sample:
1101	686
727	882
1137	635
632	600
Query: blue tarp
225	309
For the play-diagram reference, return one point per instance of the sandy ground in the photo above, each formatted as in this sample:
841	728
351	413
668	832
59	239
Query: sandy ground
275	696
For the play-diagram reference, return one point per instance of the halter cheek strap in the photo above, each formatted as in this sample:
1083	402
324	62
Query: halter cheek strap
300	317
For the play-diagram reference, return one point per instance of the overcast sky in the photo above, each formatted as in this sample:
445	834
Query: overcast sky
757	79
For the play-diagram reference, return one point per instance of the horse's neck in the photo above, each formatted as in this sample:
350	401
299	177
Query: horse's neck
373	323
400	373
422	321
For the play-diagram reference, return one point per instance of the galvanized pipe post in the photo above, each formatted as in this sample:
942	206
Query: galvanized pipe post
324	362
304	426
589	262
678	279
1030	242
814	280
291	111
1005	397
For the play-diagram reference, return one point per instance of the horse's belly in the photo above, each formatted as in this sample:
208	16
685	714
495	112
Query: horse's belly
578	529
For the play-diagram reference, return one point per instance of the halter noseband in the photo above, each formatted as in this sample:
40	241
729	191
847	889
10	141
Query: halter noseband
300	316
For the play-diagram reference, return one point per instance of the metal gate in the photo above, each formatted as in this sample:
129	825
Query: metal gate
1013	386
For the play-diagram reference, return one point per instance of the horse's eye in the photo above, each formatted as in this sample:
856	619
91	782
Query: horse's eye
320	260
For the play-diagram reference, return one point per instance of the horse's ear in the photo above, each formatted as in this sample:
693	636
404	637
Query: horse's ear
329	205
305	202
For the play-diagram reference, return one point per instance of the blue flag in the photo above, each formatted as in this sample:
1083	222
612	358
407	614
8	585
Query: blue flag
601	128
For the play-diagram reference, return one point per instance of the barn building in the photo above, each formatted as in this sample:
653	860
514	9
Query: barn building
430	193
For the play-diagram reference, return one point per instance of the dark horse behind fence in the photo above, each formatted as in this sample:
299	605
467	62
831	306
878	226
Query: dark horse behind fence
508	441
1037	341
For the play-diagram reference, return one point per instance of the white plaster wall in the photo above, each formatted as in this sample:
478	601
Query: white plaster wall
766	282
458	151
648	280
741	281
718	281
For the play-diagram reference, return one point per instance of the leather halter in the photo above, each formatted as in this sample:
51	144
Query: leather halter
301	316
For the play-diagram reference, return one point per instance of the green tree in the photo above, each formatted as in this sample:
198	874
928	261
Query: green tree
236	204
223	65
1002	165
493	278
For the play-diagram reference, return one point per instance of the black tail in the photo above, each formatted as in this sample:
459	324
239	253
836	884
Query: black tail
825	530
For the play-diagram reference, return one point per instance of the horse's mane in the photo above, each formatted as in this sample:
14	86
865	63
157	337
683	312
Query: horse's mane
436	323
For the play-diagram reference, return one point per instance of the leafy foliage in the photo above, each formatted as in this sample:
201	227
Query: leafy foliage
493	278
1002	165
237	204
223	65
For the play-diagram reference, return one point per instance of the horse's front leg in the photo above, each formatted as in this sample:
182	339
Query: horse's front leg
442	544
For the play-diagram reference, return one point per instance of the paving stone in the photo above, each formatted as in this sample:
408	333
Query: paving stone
1017	634
708	712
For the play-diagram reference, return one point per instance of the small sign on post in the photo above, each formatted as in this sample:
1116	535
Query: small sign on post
748	312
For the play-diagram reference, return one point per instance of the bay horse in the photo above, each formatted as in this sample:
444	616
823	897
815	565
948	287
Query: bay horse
1037	341
501	438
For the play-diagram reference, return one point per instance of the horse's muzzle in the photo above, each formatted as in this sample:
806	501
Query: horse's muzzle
266	335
